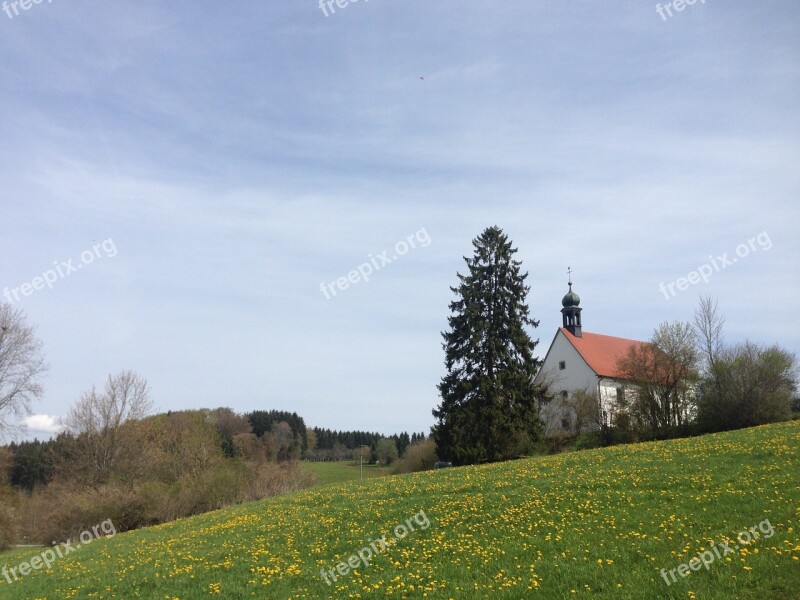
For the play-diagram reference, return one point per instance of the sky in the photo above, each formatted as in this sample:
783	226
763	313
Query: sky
196	180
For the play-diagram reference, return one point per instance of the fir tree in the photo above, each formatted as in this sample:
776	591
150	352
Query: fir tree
489	402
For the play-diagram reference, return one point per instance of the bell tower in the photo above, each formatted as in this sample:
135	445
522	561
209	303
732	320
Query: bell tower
571	310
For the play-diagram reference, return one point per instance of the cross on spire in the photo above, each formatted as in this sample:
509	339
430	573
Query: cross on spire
572	310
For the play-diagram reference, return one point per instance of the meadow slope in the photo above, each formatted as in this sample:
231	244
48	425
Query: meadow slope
593	524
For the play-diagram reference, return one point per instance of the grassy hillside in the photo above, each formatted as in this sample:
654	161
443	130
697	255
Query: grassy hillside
340	471
595	524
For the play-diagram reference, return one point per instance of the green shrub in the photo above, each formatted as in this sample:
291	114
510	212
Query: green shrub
212	490
419	456
265	480
587	441
59	512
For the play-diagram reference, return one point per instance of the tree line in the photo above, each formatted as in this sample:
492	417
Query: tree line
339	445
685	381
116	459
688	380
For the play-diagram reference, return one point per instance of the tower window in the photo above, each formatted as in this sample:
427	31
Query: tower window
620	395
564	394
562	365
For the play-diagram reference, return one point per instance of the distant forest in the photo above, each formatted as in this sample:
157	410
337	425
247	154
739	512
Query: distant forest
284	436
144	469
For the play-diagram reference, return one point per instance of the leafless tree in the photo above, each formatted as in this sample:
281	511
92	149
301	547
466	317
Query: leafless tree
664	372
361	453
21	368
98	420
565	414
229	423
586	407
287	447
743	385
708	324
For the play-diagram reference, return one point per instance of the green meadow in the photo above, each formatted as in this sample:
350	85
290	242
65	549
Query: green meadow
326	472
591	524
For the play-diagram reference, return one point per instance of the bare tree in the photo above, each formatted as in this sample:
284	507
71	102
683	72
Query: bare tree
288	448
586	407
98	420
21	367
664	372
743	385
361	453
708	324
229	423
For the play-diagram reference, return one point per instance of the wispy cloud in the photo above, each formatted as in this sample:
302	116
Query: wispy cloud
242	156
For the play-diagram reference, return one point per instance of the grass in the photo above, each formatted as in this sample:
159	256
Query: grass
342	471
592	524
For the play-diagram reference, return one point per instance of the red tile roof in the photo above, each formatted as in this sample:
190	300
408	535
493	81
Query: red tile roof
601	352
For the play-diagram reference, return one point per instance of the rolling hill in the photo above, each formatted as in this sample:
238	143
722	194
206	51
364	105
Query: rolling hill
623	522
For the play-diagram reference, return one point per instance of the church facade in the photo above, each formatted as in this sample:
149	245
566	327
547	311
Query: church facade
580	366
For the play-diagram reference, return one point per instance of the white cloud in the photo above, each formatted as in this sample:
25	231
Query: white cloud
42	424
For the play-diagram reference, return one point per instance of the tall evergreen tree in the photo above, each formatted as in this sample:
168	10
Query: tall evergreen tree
488	410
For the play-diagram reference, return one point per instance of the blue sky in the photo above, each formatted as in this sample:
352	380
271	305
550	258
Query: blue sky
238	156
